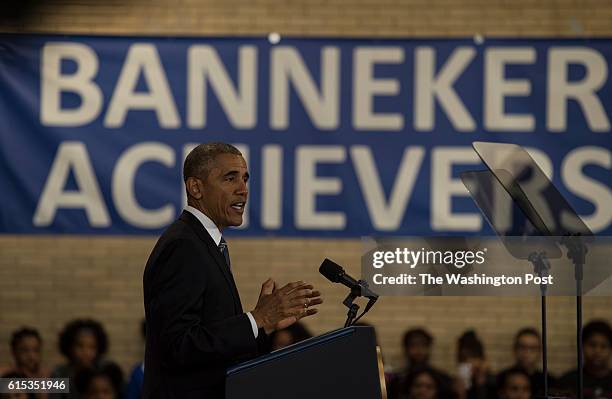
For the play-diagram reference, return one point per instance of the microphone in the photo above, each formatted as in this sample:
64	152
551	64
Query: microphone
336	274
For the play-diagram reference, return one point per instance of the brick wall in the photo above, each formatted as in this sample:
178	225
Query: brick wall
45	281
403	18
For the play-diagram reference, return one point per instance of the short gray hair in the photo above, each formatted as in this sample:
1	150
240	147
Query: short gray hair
198	161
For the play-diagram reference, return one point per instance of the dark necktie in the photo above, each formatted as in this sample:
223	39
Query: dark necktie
225	252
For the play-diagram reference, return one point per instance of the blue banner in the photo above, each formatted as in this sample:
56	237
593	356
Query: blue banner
343	137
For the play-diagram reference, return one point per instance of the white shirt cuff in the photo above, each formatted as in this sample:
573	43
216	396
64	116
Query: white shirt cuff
253	324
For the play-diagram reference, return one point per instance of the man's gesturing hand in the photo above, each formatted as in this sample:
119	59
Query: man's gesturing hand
279	308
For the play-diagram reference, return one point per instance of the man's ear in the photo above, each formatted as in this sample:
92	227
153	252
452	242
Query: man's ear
194	187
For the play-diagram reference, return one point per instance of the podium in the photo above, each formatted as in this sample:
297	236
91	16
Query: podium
343	363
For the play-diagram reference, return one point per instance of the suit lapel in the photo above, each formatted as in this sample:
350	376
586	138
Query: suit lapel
213	250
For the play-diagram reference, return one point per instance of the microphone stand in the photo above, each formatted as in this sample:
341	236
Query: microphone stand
353	308
541	266
576	251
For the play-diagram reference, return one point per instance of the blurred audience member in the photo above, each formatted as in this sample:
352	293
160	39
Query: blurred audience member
295	333
474	380
597	343
514	383
99	383
84	343
26	347
134	386
422	383
527	350
417	345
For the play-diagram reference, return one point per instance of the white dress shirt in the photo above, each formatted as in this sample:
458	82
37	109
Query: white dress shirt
214	232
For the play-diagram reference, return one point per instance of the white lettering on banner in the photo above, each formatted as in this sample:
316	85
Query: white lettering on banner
240	105
288	66
444	187
587	188
365	87
71	156
429	87
308	186
584	91
386	215
54	83
497	88
377	76
142	59
239	100
124	196
272	187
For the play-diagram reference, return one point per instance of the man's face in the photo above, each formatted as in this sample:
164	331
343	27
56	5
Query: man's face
224	191
418	351
27	354
596	352
517	387
527	351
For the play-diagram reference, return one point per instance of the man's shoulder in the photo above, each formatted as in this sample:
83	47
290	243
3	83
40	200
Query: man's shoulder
178	233
178	240
179	228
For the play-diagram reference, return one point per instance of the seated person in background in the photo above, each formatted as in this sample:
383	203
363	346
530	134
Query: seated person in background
288	336
420	384
417	345
26	346
597	344
514	383
99	383
83	342
527	349
134	386
474	380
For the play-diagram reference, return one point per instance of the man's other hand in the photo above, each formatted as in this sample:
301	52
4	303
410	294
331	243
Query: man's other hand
279	308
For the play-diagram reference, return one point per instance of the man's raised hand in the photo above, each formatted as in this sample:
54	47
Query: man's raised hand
279	308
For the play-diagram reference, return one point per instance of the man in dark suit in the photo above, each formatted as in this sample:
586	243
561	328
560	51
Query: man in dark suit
196	326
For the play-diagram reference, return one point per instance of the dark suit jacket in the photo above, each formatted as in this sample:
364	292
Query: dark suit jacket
196	327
